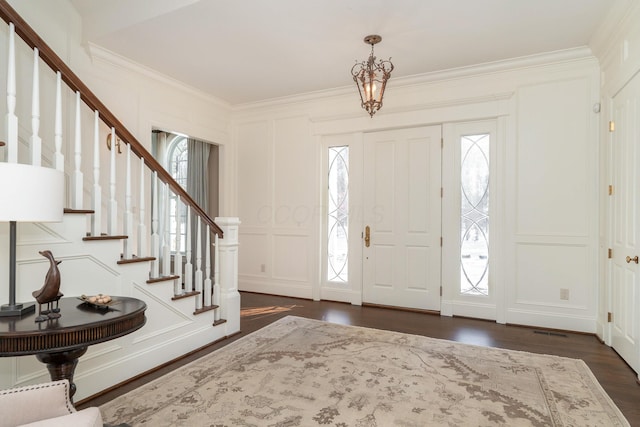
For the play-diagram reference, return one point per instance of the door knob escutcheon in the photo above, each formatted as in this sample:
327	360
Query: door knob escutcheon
367	236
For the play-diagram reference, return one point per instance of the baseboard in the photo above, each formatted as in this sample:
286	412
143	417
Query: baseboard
552	320
341	295
468	309
268	286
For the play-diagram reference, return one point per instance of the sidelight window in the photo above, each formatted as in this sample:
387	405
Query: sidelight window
338	214
474	214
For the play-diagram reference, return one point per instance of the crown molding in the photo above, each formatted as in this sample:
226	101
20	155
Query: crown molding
617	21
523	62
531	61
101	54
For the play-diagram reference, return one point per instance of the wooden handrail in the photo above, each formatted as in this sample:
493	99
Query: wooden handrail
31	38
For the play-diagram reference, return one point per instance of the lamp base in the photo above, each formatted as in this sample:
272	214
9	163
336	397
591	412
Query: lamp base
16	310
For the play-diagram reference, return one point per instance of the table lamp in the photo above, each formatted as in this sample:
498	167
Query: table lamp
27	194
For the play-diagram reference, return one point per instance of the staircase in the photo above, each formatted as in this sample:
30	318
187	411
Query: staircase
114	238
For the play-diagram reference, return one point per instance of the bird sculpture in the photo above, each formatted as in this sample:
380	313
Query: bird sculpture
49	293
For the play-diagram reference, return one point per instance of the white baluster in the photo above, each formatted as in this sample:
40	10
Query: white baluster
207	268
112	223
36	141
216	277
128	213
58	159
177	255
77	180
11	120
96	198
155	237
188	267
142	226
198	278
166	246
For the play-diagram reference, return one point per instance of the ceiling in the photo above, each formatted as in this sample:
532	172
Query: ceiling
244	51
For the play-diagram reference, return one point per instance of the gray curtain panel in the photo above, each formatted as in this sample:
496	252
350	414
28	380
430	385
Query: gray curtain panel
198	189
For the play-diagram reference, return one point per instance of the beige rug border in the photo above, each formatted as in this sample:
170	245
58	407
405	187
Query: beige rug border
290	318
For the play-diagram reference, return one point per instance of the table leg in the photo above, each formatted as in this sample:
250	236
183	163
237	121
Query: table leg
62	365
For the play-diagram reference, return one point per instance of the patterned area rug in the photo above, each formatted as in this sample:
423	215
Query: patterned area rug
301	372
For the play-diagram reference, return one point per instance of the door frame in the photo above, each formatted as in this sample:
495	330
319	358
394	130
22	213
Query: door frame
351	291
450	304
453	302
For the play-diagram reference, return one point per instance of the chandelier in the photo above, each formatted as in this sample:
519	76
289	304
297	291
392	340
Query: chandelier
371	78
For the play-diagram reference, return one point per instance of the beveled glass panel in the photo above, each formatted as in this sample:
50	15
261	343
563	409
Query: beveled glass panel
474	214
338	214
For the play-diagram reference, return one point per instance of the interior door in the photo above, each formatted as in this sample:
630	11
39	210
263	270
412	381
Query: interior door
402	218
625	271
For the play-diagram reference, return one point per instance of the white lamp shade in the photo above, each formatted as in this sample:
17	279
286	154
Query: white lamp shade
30	193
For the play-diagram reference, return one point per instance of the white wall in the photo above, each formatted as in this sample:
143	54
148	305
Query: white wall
548	169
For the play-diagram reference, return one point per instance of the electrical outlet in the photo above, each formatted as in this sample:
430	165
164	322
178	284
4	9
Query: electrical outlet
263	268
564	294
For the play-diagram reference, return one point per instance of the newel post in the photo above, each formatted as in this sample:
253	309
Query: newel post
228	253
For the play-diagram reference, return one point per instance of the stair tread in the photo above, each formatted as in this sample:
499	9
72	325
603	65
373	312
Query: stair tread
135	259
205	309
162	278
219	322
184	295
78	211
105	237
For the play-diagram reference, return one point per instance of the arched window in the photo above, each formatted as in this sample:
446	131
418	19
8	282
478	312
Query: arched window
177	166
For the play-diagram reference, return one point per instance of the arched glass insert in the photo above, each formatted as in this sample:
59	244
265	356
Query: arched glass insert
338	215
474	214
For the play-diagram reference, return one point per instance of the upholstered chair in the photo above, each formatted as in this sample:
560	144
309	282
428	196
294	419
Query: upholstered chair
44	405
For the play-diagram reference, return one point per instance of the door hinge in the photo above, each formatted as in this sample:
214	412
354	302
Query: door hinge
610	253
440	290
440	241
441	192
441	142
611	190
612	126
609	317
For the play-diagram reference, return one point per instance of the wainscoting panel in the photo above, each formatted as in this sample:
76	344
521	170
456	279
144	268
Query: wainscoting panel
290	257
552	276
293	178
254	177
254	259
555	151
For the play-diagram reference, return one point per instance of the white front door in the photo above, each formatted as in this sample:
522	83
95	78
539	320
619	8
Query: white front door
625	206
402	210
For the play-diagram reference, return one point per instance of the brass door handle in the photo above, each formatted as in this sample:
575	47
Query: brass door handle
634	259
367	236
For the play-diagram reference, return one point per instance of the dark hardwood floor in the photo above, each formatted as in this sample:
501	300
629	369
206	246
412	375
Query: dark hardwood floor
615	376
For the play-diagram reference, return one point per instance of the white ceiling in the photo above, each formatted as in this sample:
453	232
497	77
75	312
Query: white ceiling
250	50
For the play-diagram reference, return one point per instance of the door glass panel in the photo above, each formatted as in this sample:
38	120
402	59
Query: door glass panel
338	214
474	214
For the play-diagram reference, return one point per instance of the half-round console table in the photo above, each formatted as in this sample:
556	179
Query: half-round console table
60	342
